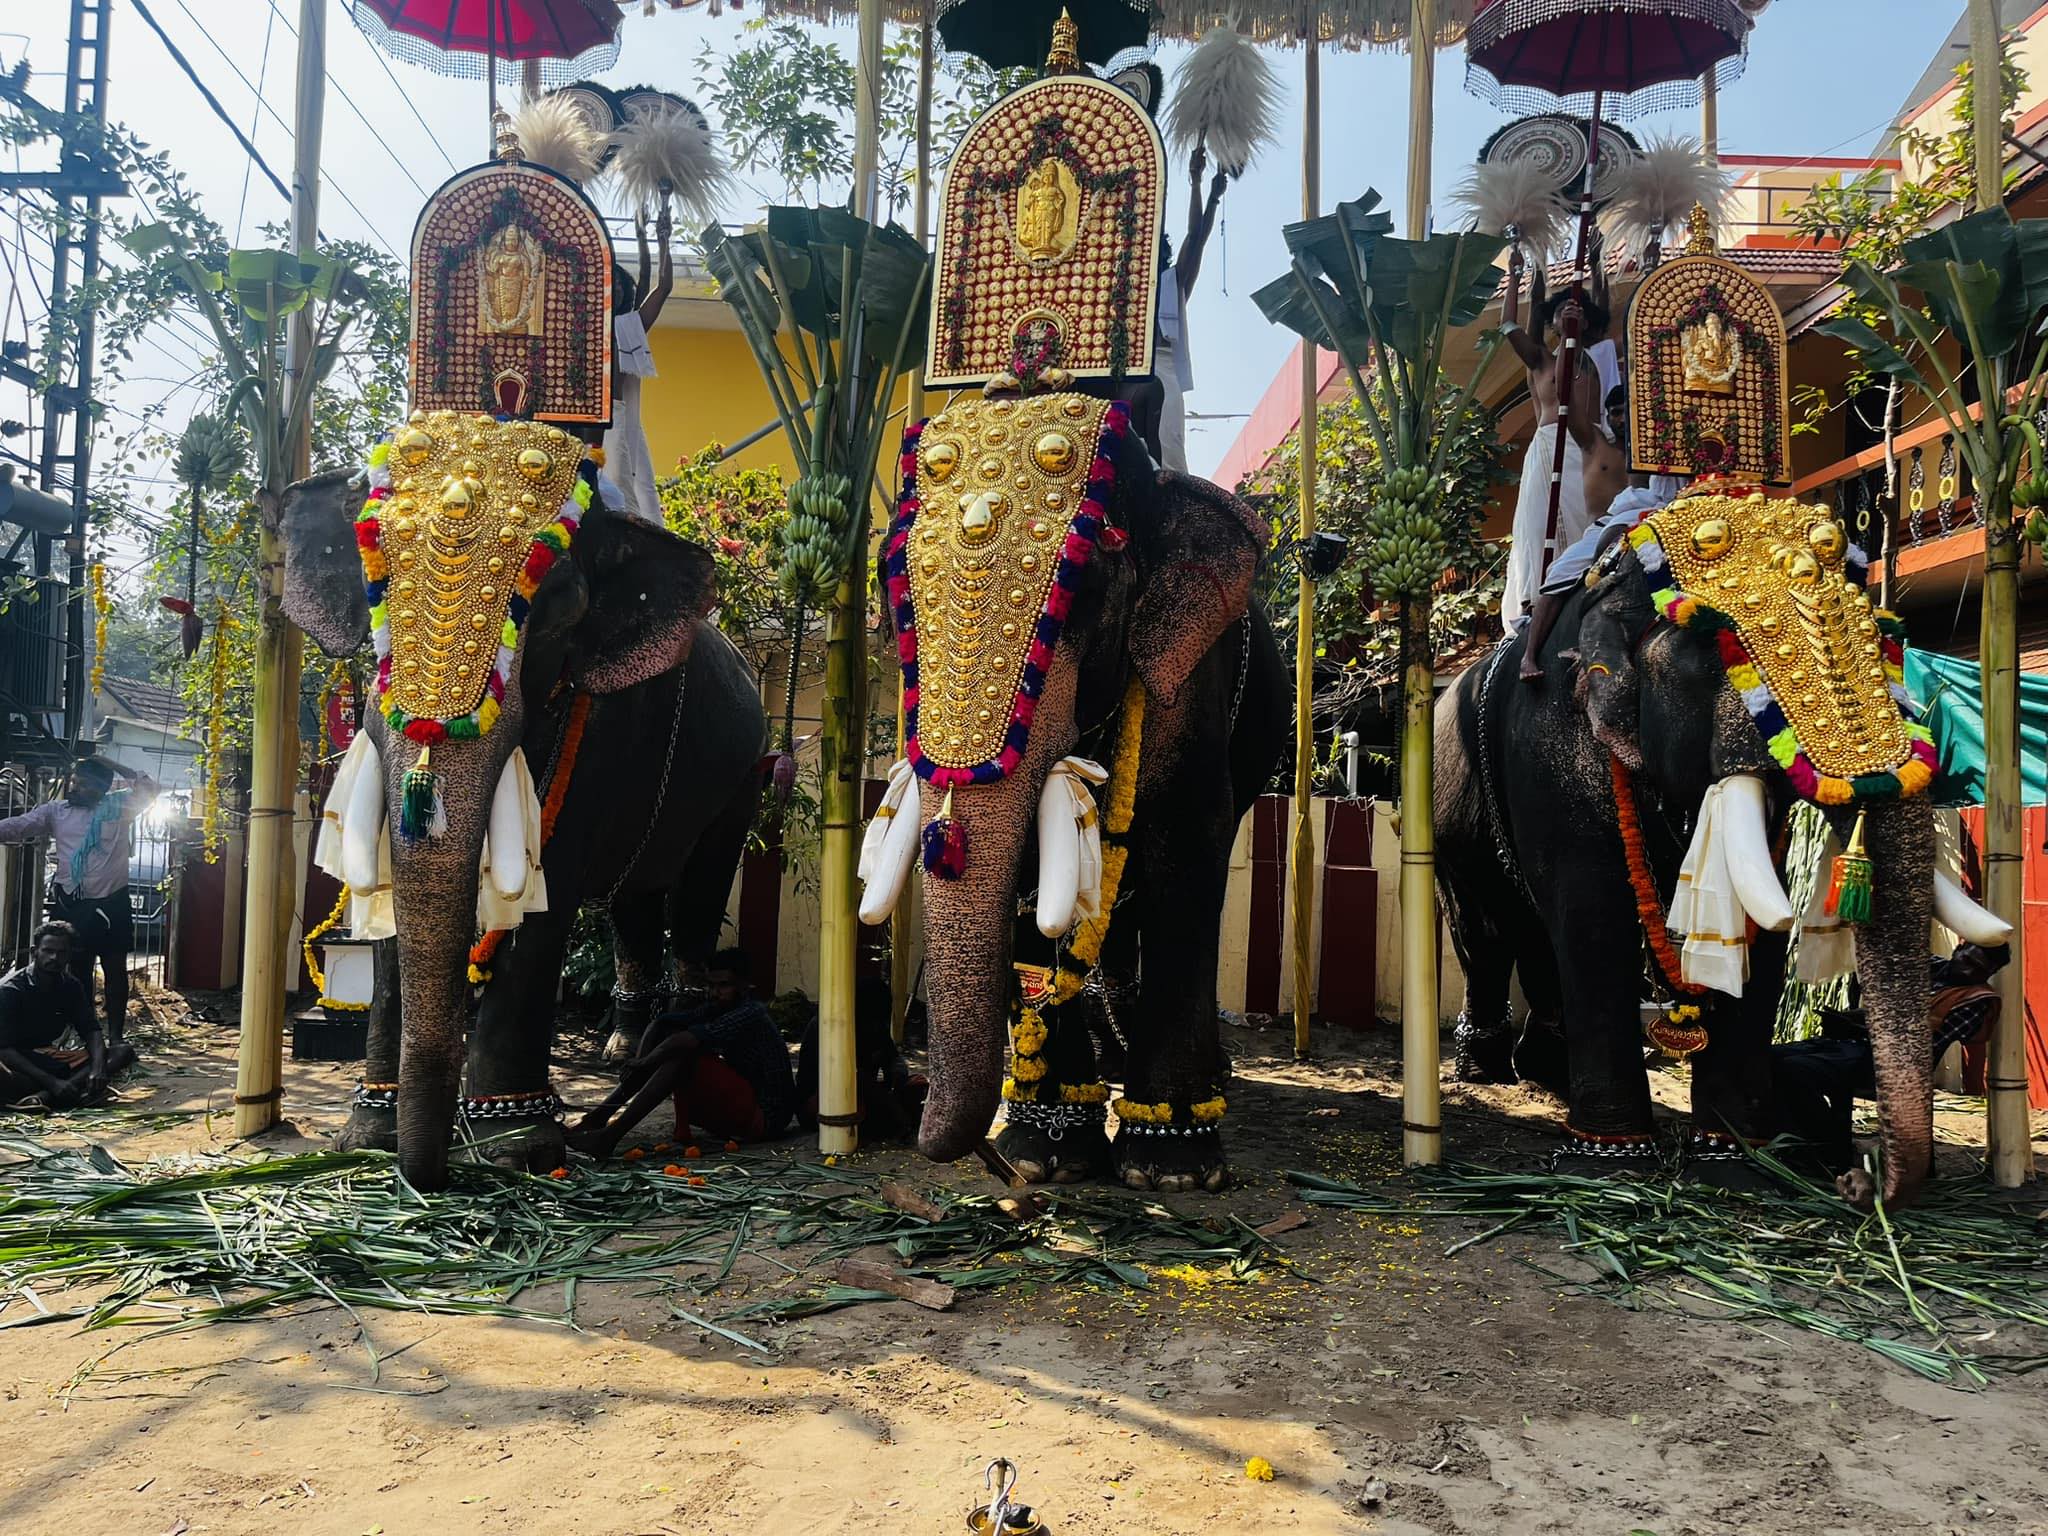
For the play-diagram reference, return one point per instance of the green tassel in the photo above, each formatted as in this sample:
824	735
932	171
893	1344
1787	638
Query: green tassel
1849	889
420	811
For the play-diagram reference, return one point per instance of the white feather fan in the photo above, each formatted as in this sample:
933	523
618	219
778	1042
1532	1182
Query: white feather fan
1227	97
1653	196
1517	196
553	133
667	149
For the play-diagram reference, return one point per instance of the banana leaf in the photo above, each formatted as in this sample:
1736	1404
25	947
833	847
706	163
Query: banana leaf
1422	288
1997	294
1876	353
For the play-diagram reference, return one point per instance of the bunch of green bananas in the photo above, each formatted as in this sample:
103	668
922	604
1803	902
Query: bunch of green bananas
813	538
1405	549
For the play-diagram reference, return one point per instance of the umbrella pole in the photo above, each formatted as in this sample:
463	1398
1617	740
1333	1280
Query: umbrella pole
905	923
491	73
1302	858
1421	1047
1568	346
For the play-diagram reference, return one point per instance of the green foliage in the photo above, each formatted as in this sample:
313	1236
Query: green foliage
1391	305
737	515
1352	631
785	103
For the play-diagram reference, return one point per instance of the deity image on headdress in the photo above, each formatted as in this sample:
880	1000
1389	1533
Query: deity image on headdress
1710	354
1048	212
511	284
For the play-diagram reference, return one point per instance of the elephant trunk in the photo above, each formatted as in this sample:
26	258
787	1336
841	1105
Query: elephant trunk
434	890
1891	962
968	925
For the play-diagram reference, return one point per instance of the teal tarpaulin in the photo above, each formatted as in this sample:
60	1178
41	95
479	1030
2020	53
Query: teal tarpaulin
1950	690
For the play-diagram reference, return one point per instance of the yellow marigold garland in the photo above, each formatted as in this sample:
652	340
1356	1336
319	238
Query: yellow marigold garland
102	605
313	971
1028	1033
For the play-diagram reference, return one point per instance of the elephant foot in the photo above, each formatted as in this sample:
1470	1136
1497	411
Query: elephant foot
534	1143
1485	1054
620	1047
1172	1162
1718	1160
1051	1148
370	1128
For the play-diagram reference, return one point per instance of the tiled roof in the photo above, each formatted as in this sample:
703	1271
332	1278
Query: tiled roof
143	703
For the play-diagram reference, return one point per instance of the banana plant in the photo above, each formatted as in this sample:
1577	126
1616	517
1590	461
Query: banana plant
1980	284
1391	306
833	308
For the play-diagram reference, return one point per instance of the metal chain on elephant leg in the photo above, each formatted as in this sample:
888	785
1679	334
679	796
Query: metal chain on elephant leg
1244	668
668	763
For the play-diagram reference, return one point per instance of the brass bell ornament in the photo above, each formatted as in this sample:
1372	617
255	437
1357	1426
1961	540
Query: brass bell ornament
1002	1515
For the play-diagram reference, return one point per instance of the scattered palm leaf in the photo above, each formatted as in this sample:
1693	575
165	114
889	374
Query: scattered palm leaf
1927	1288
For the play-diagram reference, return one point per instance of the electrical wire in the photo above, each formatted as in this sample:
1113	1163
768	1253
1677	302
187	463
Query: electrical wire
212	100
262	79
362	116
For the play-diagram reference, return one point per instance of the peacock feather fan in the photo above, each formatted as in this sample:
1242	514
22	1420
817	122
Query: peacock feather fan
1225	97
1659	188
555	133
1517	196
666	150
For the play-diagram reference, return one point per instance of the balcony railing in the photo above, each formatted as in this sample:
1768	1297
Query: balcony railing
1926	495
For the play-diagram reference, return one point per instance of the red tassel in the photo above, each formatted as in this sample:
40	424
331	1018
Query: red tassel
945	844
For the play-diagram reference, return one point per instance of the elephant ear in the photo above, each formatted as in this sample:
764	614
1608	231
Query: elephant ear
1612	617
1198	547
645	591
323	574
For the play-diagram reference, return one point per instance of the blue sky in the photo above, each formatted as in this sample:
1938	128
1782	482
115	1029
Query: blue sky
1824	77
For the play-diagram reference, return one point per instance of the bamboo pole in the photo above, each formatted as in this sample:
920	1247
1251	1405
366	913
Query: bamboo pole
1421	1109
274	735
2006	1132
908	916
843	740
1302	856
1710	118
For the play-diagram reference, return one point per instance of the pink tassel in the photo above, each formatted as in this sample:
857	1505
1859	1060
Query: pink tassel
945	844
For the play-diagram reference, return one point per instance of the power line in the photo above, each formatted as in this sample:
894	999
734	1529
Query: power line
339	190
361	115
262	78
212	101
405	96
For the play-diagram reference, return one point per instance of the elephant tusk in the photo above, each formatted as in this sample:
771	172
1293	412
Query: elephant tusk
508	835
1751	868
890	847
362	822
1066	812
1971	922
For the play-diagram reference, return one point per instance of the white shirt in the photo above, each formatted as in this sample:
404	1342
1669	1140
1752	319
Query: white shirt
65	825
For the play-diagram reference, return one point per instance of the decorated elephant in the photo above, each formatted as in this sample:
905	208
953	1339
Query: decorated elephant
1622	823
1094	705
607	672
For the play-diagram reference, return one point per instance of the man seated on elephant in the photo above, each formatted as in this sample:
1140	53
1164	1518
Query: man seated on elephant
1817	1081
38	1003
723	1061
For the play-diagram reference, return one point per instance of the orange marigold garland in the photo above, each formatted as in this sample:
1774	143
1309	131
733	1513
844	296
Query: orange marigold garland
1649	908
481	952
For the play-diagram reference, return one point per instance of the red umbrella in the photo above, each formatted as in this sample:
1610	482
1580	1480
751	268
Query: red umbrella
1620	57
572	38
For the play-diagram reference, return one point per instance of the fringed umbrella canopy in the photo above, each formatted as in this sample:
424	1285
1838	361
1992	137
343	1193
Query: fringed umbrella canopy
1642	55
1339	23
570	38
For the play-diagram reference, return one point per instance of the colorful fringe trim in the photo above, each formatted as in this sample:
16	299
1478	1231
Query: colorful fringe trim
1910	778
1083	535
549	545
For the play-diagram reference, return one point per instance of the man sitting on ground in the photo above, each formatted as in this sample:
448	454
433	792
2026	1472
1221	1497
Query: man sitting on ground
1818	1081
723	1061
38	1003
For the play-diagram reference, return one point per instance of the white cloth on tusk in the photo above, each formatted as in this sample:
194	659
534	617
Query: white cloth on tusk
1827	945
371	912
494	910
1069	845
889	846
1706	909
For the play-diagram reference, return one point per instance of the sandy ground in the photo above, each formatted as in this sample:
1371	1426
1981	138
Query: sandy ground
1478	1396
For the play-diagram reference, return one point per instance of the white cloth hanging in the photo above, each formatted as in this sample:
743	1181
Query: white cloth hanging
371	913
628	460
1174	367
1526	566
1827	945
1707	911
